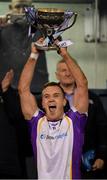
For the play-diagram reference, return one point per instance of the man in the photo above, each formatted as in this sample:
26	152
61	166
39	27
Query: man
96	127
17	6
15	45
10	165
57	138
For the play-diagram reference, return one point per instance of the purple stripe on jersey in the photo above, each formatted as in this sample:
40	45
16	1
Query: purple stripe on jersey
79	121
32	125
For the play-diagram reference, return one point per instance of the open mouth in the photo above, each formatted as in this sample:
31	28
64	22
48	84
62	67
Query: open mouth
52	108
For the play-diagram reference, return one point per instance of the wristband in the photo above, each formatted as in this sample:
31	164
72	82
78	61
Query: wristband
34	56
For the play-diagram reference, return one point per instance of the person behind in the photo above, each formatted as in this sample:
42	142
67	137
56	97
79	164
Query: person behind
95	145
12	107
10	167
57	138
15	42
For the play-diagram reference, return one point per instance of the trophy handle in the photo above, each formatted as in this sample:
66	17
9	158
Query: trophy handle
74	20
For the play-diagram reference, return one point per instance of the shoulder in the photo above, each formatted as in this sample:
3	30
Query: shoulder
33	122
36	116
74	114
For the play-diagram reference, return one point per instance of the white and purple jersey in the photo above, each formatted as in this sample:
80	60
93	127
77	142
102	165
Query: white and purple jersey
57	145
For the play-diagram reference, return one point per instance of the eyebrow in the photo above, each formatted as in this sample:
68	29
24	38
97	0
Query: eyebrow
56	93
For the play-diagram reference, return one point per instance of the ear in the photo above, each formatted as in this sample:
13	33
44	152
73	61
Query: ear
42	104
10	7
65	101
57	75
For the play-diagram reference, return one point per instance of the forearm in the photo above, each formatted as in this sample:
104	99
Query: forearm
80	98
28	102
75	70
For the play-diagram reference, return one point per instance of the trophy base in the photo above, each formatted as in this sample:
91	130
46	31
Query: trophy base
46	48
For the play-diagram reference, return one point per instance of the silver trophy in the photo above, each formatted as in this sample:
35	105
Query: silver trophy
51	22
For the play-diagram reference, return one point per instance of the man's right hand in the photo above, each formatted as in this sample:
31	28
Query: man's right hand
7	80
3	21
33	46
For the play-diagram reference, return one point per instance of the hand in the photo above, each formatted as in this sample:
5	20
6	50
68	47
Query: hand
61	50
7	80
98	164
3	21
33	46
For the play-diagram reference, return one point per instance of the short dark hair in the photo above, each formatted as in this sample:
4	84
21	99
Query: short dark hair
53	84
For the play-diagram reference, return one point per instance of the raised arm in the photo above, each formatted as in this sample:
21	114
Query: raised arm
80	101
28	102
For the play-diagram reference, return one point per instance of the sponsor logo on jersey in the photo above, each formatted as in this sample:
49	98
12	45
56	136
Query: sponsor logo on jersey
59	136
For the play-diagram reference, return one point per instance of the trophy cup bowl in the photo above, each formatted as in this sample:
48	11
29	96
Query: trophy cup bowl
48	20
51	22
50	16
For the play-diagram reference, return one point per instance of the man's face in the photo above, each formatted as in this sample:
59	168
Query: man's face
63	74
18	9
53	102
17	6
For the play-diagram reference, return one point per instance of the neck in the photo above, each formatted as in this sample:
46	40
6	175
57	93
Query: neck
68	88
54	120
